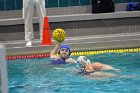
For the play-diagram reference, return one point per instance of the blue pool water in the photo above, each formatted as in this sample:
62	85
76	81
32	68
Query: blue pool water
37	76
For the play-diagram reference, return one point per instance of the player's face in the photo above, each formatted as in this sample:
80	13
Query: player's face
64	52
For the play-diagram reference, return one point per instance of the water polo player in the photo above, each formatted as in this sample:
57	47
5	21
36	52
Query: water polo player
64	54
93	69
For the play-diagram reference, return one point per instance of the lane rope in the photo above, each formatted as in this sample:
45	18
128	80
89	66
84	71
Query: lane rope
78	53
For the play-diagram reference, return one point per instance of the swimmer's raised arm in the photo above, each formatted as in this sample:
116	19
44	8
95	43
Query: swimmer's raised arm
55	50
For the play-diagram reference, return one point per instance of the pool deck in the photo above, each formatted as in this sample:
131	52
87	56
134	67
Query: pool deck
79	43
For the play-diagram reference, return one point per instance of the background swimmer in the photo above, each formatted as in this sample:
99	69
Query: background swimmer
94	69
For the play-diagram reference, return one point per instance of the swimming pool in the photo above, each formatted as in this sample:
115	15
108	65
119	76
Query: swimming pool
37	76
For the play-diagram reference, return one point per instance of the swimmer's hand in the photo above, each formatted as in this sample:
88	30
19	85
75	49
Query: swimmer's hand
117	70
58	43
70	60
111	68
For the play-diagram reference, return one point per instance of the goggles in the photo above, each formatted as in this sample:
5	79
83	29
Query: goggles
64	49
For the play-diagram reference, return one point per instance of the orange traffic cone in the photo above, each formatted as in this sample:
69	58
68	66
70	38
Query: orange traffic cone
46	37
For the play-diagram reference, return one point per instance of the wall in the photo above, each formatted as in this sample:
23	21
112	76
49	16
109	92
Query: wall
90	27
77	28
6	5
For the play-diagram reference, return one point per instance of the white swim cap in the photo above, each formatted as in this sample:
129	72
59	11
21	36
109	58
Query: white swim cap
83	60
